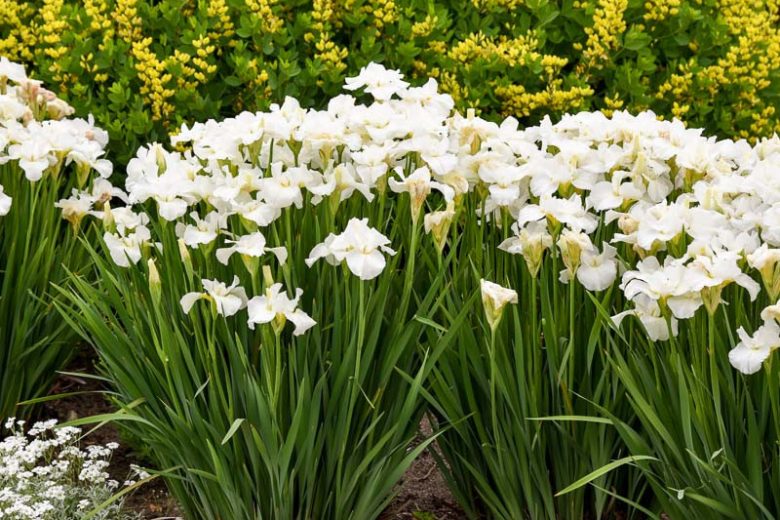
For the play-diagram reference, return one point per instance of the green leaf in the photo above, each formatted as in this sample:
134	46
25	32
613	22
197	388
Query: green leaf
65	395
430	323
590	477
635	39
105	418
233	81
232	430
572	418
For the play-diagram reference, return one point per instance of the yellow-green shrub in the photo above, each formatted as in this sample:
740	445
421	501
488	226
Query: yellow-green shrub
143	67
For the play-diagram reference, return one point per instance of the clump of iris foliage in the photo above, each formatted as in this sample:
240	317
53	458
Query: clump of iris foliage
44	155
284	293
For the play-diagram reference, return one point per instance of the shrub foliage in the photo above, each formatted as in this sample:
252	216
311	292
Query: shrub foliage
144	67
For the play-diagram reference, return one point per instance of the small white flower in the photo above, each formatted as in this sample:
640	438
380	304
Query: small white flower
204	231
360	245
438	224
570	212
418	185
531	241
12	109
12	71
771	313
5	202
34	156
126	248
378	81
572	244
252	245
660	224
259	212
228	300
612	194
649	314
139	471
766	260
341	181
718	271
44	474
76	207
283	188
276	305
124	218
674	284
750	353
494	299
598	270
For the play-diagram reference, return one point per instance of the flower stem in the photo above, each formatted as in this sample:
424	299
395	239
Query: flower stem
409	273
493	403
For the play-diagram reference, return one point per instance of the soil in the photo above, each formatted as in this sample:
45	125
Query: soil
423	494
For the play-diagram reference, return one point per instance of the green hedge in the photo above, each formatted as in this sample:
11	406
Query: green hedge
144	67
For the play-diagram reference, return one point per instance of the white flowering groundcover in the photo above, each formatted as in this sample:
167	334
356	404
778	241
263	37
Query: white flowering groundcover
46	475
43	156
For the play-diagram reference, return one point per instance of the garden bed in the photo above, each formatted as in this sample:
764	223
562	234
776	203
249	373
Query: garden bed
298	310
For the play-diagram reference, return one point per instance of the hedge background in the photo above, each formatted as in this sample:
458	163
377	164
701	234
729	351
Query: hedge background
144	67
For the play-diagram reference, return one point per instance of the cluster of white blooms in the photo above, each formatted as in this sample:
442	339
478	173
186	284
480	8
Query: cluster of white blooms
689	214
697	214
37	135
44	475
